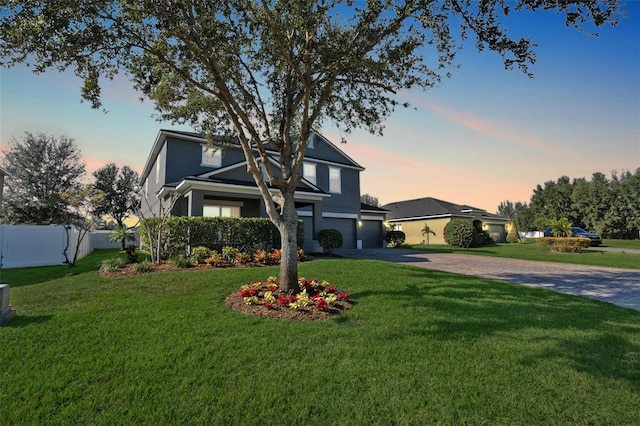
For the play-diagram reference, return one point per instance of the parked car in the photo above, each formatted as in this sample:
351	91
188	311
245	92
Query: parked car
576	231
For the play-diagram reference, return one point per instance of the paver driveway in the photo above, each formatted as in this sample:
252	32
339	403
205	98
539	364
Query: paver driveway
618	286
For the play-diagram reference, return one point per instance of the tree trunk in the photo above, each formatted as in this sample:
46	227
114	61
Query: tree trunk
288	240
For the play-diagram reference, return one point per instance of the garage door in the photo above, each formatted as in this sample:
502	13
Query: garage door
370	232
347	228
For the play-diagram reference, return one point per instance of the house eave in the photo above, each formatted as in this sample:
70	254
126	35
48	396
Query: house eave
187	185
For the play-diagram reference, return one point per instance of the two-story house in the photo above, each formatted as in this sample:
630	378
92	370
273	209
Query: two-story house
215	182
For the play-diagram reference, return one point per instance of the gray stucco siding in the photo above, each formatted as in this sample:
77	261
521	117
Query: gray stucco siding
347	228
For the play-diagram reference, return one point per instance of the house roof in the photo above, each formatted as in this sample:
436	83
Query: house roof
432	207
370	208
199	138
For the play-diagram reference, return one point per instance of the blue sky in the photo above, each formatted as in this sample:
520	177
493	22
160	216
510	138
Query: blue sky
483	136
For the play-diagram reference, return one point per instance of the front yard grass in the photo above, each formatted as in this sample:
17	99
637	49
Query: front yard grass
530	250
419	347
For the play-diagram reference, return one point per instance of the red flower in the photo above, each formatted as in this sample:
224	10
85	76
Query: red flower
343	296
322	305
331	289
268	304
253	291
245	293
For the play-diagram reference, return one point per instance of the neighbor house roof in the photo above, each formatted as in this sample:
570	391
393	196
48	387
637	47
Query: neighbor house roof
429	207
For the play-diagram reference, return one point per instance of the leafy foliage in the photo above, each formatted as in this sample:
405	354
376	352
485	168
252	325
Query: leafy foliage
395	238
512	235
41	169
369	200
459	233
560	227
565	244
120	189
330	239
268	73
607	206
200	254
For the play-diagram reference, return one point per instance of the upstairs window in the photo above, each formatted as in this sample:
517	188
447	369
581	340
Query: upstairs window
335	180
309	172
211	157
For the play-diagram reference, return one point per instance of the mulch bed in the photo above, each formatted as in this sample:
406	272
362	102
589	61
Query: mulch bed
235	300
311	313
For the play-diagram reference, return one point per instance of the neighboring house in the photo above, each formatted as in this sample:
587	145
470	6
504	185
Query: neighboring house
411	216
215	182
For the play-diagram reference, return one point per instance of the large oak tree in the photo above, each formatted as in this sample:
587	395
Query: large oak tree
269	72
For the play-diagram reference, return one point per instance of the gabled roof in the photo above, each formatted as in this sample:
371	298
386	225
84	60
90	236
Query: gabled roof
199	138
431	207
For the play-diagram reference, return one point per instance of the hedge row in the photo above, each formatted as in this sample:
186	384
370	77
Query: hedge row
564	244
246	234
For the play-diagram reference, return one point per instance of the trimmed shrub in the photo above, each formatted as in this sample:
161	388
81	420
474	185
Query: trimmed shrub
459	233
564	244
512	236
395	238
200	254
329	240
247	234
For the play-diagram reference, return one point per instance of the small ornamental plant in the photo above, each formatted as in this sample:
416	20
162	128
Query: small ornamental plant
316	300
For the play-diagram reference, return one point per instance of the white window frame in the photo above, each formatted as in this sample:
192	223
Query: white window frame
211	160
335	183
307	167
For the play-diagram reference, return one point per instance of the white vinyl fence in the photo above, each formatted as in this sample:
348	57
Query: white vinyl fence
42	245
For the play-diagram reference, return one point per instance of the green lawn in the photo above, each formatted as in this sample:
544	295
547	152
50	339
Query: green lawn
532	251
419	347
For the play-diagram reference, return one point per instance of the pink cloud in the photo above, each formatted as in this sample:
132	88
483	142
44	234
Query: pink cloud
486	127
394	177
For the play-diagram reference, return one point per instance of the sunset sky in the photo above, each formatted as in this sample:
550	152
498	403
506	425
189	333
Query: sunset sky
484	136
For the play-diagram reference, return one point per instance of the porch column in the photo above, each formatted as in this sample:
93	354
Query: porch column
317	219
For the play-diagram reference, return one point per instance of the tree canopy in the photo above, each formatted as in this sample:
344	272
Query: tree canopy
607	206
269	73
41	169
120	192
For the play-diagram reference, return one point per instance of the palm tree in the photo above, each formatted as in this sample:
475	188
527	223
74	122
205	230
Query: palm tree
426	231
561	227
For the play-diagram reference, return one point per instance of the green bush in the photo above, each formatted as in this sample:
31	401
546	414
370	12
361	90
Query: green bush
144	266
565	244
395	238
112	264
459	233
200	254
181	261
512	236
229	253
246	234
329	239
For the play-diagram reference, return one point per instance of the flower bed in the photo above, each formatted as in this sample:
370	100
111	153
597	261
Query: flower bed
316	301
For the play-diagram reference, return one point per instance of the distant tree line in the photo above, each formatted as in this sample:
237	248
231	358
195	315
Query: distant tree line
610	207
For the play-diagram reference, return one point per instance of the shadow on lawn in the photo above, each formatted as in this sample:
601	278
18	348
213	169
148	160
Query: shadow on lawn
18	277
453	307
24	321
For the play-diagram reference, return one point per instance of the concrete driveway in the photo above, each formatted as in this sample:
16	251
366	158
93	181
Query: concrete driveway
618	286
